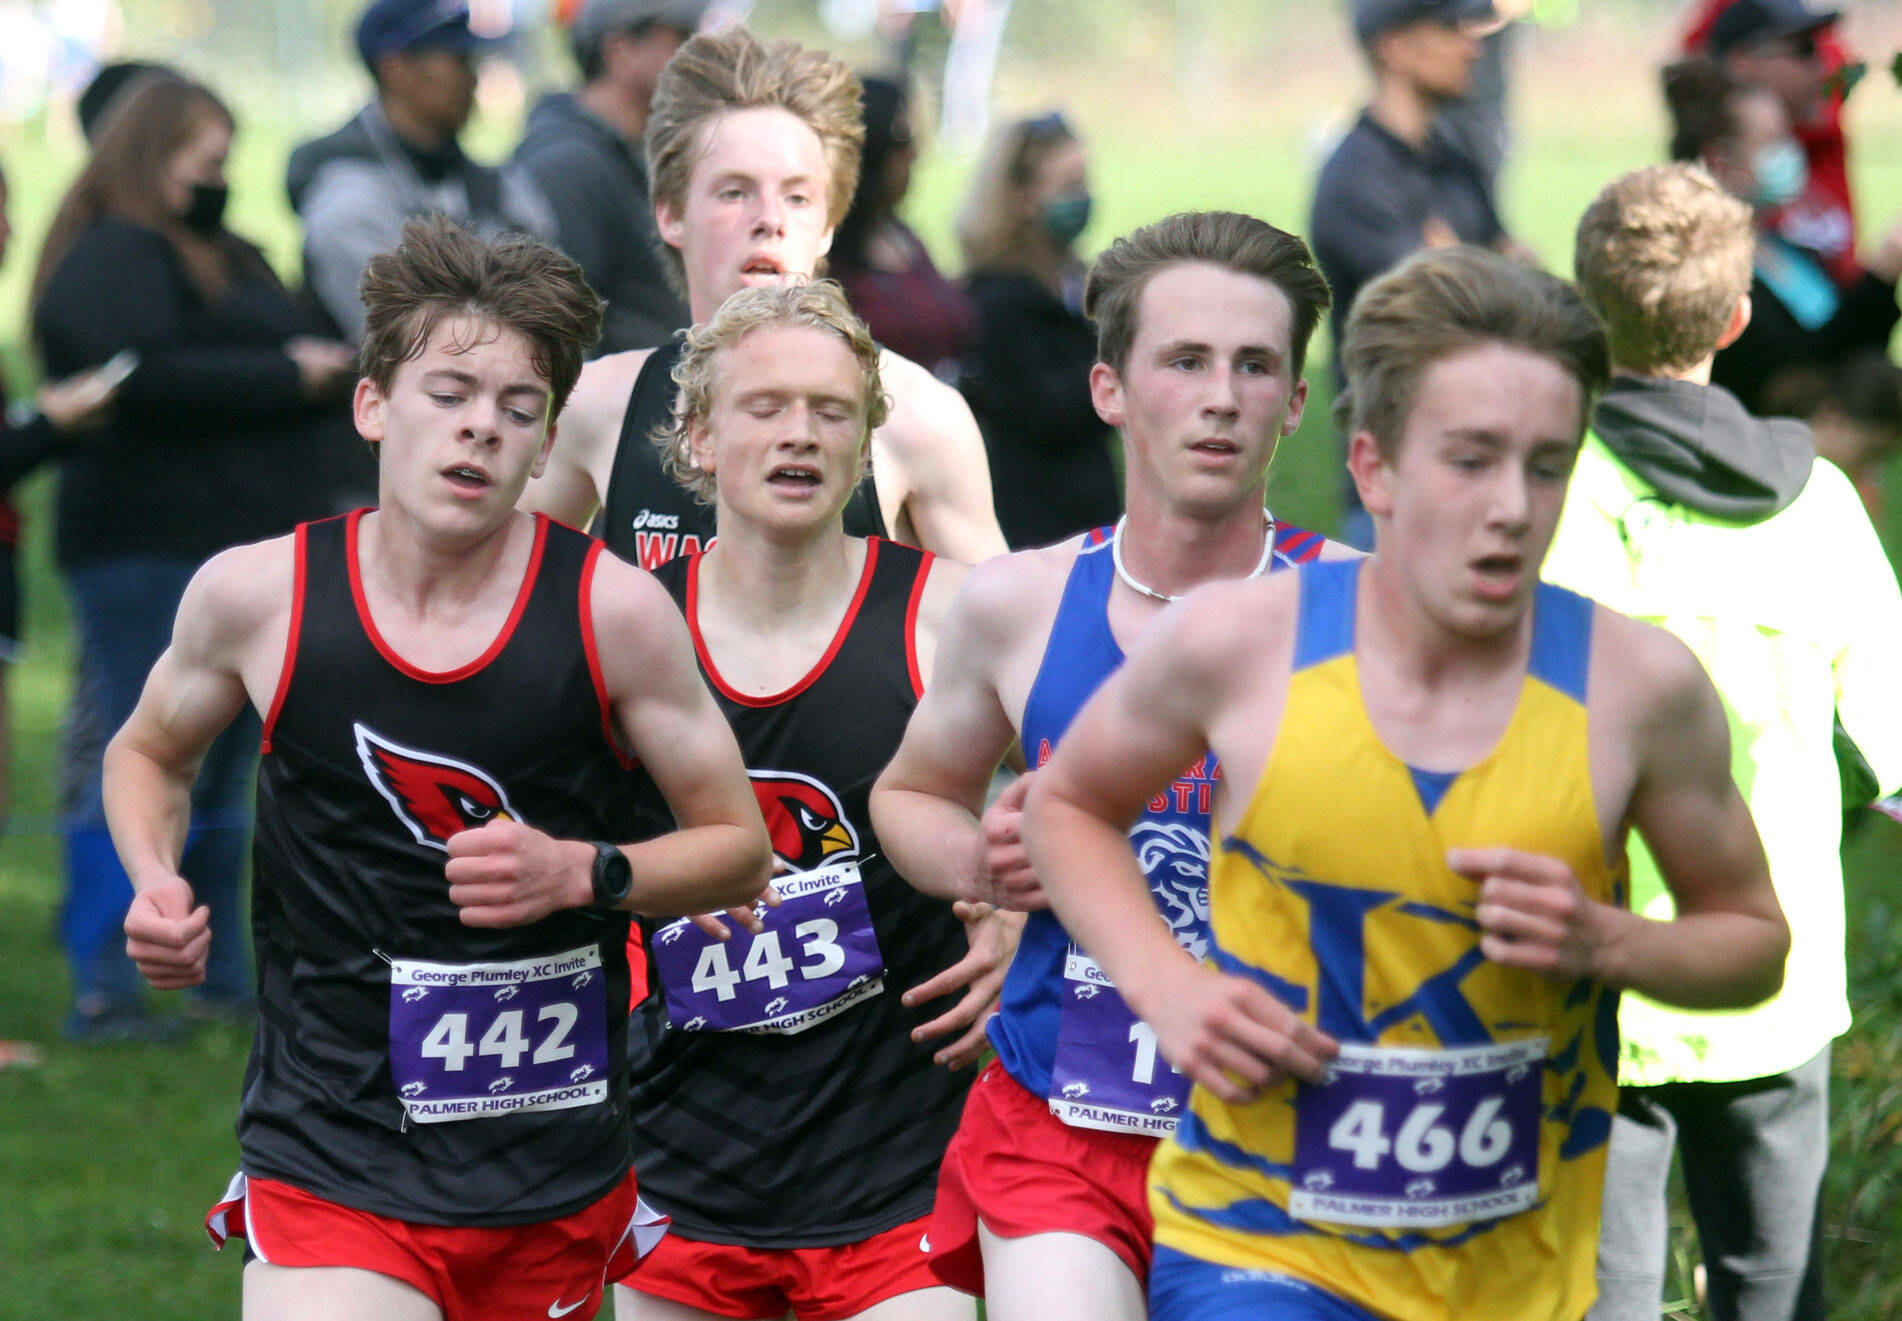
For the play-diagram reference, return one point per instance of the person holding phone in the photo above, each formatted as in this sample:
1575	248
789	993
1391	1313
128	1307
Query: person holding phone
218	436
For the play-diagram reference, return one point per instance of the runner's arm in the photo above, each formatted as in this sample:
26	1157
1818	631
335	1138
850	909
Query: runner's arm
574	483
1725	947
932	441
194	691
925	806
1152	718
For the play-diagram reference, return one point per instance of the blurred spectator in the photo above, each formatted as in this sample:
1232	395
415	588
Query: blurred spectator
1687	513
399	156
1399	181
911	309
1855	413
1028	378
213	440
1476	122
583	150
1800	318
105	87
28	437
1794	50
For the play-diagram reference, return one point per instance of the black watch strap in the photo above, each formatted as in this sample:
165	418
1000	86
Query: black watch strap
613	877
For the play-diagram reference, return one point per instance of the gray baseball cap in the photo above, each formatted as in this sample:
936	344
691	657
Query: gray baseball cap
1373	17
600	17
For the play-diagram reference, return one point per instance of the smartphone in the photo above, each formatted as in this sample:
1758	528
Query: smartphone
119	366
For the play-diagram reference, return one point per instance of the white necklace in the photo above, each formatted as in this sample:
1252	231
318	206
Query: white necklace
1116	558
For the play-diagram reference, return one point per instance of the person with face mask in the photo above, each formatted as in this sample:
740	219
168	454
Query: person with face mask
1800	318
1028	376
216	437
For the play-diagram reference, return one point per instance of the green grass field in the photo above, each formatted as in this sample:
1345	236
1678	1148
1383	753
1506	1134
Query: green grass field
109	1155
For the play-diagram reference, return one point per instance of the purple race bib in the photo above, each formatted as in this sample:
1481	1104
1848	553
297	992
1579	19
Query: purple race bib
1108	1073
818	955
471	1040
1419	1139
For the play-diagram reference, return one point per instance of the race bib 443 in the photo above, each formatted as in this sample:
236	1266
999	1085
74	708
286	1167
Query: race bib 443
816	956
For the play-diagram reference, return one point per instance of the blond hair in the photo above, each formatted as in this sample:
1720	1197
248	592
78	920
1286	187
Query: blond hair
1663	256
820	305
997	230
717	72
1443	301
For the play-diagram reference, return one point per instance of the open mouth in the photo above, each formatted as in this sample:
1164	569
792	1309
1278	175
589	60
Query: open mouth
468	478
1498	574
1216	445
794	477
763	268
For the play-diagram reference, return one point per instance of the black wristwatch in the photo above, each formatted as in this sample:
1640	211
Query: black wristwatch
613	877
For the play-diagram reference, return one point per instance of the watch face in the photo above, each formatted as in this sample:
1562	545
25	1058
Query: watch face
612	875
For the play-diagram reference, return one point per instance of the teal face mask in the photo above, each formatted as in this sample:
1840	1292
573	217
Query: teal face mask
1782	173
1064	218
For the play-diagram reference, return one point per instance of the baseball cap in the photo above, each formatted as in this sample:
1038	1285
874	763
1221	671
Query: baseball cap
598	18
389	26
1748	22
1373	17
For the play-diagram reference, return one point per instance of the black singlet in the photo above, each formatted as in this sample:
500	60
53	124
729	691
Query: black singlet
369	763
834	1133
646	518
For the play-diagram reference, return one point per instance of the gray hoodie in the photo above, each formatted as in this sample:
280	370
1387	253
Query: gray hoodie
593	178
1698	447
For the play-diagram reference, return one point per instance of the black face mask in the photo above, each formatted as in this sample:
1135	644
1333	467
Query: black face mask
207	209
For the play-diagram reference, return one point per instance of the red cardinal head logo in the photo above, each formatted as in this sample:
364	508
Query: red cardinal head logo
436	797
805	819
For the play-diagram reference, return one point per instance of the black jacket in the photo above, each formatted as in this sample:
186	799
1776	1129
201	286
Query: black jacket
1775	341
210	441
594	181
1028	383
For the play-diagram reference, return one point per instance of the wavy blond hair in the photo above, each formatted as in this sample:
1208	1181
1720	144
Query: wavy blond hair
820	305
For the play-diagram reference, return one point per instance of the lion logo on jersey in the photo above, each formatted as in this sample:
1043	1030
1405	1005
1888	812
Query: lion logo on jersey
1175	858
805	819
434	796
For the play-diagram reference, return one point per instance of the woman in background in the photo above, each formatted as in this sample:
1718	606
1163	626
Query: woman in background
215	439
1028	377
911	309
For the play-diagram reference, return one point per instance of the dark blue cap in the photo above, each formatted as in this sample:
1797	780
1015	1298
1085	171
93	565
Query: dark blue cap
389	26
1751	22
1373	17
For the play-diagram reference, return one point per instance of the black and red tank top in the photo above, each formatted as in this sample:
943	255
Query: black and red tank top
406	1064
777	1097
646	518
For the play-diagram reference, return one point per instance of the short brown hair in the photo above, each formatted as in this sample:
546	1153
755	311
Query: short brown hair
1663	256
1240	243
1442	301
441	270
717	72
820	305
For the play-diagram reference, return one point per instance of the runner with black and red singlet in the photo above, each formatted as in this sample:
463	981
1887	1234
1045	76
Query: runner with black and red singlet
461	703
753	152
1203	322
788	1112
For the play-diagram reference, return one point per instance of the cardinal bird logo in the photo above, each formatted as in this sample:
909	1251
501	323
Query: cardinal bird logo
434	796
805	819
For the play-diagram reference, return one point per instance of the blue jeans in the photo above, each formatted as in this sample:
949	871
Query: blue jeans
122	614
1185	1288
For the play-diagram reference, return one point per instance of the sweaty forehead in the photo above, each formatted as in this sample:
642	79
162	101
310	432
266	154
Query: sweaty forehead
478	346
788	359
1196	302
762	141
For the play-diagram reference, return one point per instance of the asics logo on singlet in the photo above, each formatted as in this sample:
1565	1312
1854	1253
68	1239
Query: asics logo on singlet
435	796
1175	858
647	518
805	819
